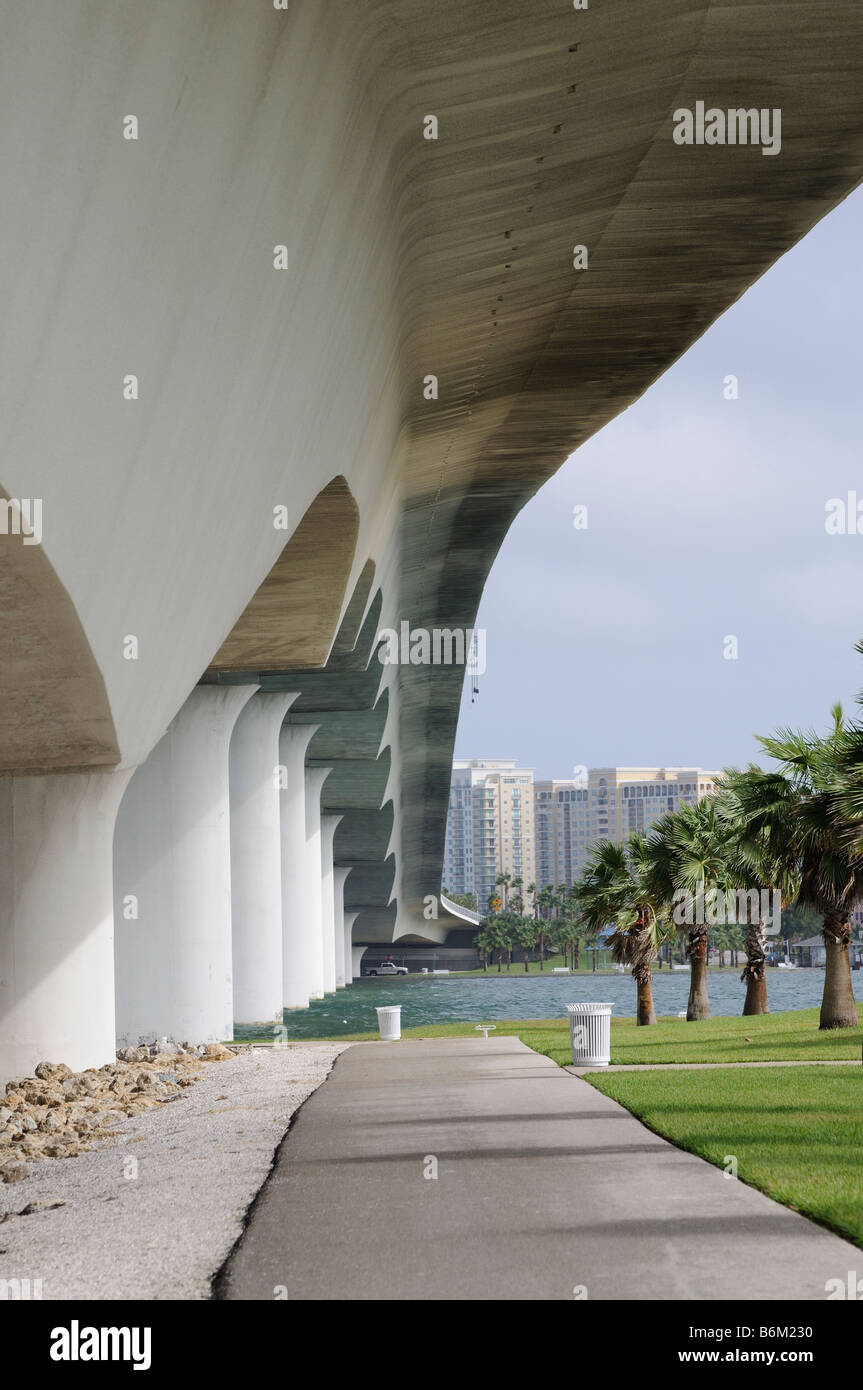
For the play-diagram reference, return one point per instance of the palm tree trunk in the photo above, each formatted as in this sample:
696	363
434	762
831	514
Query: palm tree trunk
753	972
499	959
699	1004
576	949
838	1009
526	970
646	1014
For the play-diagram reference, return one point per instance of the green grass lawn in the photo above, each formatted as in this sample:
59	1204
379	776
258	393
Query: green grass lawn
782	1037
797	1134
585	966
604	966
792	1036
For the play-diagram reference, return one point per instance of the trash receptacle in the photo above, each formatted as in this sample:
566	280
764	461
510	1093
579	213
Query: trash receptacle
390	1022
590	1034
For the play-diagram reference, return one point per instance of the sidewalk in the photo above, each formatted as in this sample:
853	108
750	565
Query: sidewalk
543	1186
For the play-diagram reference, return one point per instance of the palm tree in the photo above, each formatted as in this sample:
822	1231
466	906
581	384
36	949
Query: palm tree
504	881
508	924
484	942
543	902
816	789
689	865
561	899
761	856
573	933
525	931
579	932
498	938
540	925
615	888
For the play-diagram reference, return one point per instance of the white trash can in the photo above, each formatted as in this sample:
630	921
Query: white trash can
590	1034
390	1022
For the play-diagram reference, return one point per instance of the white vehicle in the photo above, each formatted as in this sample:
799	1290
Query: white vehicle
388	967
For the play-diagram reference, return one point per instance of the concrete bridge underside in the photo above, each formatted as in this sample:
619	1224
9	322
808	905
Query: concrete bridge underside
211	789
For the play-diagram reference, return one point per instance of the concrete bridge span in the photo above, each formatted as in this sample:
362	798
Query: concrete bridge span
300	307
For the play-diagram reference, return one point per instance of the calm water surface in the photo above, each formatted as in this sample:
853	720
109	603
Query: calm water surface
485	998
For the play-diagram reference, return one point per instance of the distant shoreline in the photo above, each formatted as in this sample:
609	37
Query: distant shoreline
515	974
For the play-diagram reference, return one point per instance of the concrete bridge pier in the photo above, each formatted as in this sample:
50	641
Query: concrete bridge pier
343	955
172	877
256	859
353	954
293	742
57	920
328	903
313	918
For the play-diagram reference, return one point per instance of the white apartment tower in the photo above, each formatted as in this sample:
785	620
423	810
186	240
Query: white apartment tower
490	827
608	803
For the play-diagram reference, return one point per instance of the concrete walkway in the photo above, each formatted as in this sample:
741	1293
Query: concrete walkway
544	1187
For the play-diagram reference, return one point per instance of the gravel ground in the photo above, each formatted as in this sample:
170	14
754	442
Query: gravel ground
153	1213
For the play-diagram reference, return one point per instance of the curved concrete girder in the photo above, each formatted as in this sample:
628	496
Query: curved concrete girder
350	680
374	925
349	632
55	712
591	362
433	933
293	617
364	837
369	887
355	655
347	733
356	783
327	690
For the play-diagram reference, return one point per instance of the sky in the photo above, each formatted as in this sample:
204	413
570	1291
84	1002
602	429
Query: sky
706	520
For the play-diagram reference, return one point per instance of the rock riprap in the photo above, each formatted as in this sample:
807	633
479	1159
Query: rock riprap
58	1113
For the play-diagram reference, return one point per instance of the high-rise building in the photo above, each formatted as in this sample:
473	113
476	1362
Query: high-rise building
500	820
608	803
490	827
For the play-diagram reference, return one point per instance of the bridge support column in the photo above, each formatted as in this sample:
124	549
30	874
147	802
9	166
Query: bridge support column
353	954
256	859
57	920
343	960
313	927
328	904
293	742
173	860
